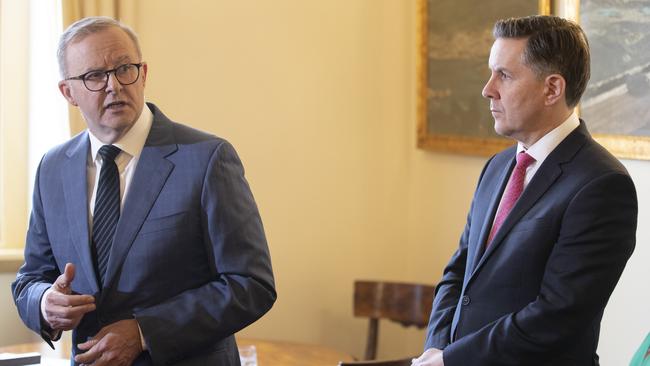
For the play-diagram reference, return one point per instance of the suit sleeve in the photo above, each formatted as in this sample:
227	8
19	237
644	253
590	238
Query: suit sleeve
242	289
596	238
447	294
449	288
38	272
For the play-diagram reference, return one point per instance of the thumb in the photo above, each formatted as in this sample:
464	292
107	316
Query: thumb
64	280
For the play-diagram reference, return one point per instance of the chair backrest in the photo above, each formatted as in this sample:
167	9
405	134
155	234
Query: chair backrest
408	304
400	362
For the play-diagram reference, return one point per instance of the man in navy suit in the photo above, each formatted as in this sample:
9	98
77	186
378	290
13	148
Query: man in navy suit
536	265
188	263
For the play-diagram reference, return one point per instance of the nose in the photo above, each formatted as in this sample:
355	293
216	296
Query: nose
112	84
489	91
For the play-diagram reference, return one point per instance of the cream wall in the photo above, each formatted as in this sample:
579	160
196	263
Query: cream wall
319	99
14	61
13	155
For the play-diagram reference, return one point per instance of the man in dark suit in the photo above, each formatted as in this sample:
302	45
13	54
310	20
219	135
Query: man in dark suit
144	237
553	219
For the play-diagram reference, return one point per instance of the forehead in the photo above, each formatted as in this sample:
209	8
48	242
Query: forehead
100	49
507	53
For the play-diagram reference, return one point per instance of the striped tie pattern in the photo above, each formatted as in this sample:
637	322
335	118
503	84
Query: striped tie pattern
107	208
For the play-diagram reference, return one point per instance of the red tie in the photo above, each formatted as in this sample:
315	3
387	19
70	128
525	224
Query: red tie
513	191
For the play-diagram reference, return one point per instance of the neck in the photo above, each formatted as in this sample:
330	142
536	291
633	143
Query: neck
109	136
550	122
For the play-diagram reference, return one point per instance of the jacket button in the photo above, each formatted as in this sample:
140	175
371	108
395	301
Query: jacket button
465	300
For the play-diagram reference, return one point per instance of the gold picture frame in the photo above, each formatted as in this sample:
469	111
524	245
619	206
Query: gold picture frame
431	134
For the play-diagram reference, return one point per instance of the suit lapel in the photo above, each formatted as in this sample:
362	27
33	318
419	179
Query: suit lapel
75	191
544	178
490	211
148	180
541	182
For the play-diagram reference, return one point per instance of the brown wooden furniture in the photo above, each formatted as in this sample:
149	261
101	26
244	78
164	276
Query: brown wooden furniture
280	353
269	353
400	362
406	303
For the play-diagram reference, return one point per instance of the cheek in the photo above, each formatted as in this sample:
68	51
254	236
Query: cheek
515	99
90	104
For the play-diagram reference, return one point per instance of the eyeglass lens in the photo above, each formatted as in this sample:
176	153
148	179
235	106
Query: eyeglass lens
125	74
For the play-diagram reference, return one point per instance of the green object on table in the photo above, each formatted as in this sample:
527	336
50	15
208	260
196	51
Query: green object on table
642	355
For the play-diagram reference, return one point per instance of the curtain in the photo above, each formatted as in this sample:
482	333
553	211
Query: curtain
73	10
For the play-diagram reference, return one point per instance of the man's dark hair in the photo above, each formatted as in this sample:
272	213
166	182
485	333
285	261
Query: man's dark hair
555	45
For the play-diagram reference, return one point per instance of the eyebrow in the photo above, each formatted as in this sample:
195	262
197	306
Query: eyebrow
119	62
500	69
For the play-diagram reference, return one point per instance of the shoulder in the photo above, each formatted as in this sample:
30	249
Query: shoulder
191	144
496	165
166	131
591	161
594	157
59	153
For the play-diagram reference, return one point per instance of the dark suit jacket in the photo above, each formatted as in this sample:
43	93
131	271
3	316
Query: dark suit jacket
189	260
537	295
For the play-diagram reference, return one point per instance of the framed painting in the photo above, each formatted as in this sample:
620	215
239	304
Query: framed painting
455	37
452	69
616	104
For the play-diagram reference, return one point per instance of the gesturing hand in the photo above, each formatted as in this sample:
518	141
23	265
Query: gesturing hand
116	344
61	309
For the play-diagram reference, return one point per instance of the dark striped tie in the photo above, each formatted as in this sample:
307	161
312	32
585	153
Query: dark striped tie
107	209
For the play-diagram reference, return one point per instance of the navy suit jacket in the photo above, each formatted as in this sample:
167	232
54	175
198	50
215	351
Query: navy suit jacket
537	295
189	261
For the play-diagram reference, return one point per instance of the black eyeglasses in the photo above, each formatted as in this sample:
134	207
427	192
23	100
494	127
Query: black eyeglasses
97	80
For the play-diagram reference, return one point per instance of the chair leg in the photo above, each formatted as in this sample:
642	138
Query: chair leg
371	344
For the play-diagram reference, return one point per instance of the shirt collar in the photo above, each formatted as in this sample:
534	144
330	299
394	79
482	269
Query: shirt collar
133	142
541	149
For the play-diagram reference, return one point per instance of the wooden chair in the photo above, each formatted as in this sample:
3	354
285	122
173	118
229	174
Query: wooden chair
400	362
405	303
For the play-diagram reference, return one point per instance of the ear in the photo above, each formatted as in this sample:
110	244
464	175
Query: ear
144	73
554	89
65	90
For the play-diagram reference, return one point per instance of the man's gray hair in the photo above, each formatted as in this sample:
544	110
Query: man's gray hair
85	27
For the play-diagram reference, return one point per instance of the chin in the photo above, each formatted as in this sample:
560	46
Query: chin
498	128
120	121
502	130
118	127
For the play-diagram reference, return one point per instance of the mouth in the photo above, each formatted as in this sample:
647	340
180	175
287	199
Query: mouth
115	105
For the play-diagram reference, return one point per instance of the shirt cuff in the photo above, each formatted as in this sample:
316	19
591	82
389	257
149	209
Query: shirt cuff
142	342
46	330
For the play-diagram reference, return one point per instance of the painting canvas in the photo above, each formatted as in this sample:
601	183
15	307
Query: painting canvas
616	104
456	37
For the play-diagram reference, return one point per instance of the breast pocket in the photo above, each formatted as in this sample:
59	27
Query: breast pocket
536	224
169	222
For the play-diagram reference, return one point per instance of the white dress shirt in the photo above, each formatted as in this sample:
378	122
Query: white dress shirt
541	149
131	145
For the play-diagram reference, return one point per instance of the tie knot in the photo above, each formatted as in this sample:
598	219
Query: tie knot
109	152
524	160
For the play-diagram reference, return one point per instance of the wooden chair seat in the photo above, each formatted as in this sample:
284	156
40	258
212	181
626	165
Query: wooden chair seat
408	304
